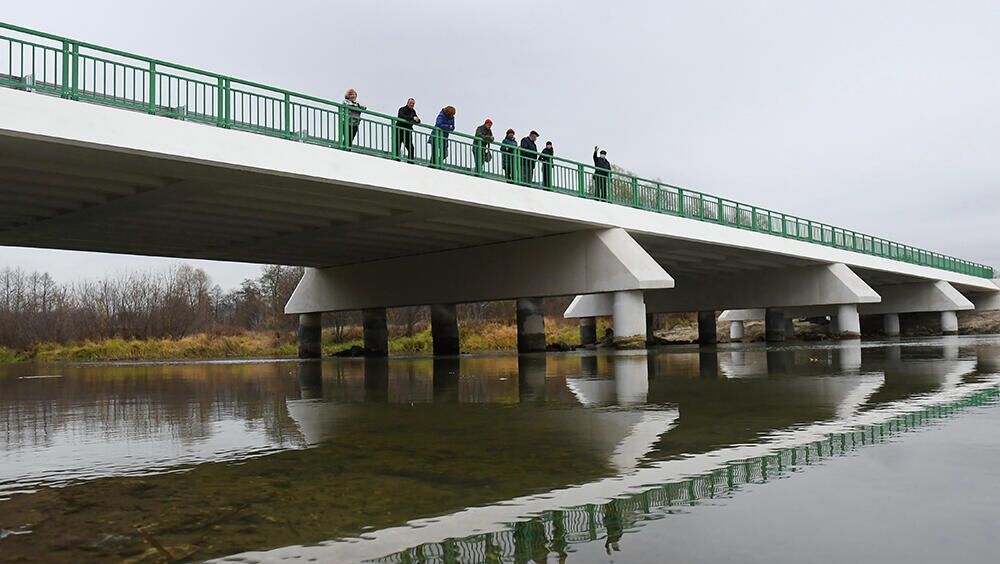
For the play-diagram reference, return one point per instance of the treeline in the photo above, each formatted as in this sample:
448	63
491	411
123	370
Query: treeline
182	301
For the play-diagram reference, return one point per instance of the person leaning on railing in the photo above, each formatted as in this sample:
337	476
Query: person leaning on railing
546	159
353	114
484	136
407	117
445	122
601	173
529	152
508	148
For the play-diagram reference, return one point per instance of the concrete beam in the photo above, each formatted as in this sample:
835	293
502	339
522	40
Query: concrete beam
803	286
918	297
574	263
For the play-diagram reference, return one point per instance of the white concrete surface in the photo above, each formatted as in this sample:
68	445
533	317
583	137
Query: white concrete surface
949	322
736	330
918	297
628	314
848	320
890	324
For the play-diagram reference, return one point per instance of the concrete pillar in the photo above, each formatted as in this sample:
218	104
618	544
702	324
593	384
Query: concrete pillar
789	329
444	329
588	331
375	331
650	329
310	335
629	319
774	326
530	325
848	321
736	331
949	323
707	328
447	373
890	324
833	329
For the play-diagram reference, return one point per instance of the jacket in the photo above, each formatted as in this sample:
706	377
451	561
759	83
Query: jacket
444	122
407	117
354	109
546	156
485	133
527	143
602	164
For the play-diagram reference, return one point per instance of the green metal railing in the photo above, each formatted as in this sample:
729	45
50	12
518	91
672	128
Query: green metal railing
54	65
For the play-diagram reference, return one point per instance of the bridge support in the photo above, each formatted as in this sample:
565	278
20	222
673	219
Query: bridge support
949	323
848	321
890	324
650	329
774	325
736	330
530	325
588	331
375	332
629	319
707	328
310	335
444	330
789	328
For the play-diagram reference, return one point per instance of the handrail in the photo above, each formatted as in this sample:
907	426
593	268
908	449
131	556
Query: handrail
84	71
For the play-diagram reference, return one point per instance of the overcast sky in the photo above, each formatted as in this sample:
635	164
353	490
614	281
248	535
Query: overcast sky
880	116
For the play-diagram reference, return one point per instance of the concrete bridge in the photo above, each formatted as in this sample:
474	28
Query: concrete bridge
168	160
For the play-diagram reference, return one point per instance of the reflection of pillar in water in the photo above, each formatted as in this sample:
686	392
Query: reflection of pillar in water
987	359
310	380
588	365
949	344
893	355
408	384
376	379
708	365
778	361
531	378
631	378
849	356
446	375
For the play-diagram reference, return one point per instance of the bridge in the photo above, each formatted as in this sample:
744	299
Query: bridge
102	150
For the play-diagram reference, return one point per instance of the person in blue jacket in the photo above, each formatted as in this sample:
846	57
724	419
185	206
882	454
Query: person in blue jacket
445	123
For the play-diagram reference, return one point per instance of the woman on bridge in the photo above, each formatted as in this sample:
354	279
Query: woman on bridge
439	140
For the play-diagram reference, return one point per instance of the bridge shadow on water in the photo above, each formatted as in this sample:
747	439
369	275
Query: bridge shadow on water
464	459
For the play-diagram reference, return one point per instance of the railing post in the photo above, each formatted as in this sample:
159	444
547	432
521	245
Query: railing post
75	73
65	86
518	163
635	192
288	116
721	218
220	102
152	88
394	139
659	198
680	201
581	180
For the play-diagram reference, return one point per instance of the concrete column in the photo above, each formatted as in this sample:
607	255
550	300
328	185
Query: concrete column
629	319
444	329
949	323
789	329
530	325
774	326
707	328
650	329
736	331
376	332
848	321
890	324
310	335
834	328
588	331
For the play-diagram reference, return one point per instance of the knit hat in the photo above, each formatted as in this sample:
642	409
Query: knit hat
489	122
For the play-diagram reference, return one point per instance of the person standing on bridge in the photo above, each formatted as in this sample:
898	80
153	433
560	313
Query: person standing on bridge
353	114
444	124
601	174
546	159
529	152
508	148
484	136
404	127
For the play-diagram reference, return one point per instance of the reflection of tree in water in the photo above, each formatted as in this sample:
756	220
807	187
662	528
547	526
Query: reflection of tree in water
551	533
138	402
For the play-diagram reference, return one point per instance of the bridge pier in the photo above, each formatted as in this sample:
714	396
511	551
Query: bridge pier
848	321
375	331
444	330
707	328
789	328
890	324
588	331
949	323
736	330
629	319
310	335
774	325
650	329
530	325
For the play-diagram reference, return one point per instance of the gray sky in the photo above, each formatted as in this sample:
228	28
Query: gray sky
879	116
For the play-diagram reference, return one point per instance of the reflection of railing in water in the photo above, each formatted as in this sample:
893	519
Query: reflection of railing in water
552	531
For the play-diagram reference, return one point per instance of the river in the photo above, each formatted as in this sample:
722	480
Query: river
879	451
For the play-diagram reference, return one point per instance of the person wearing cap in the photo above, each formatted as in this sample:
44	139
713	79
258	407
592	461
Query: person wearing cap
546	159
601	174
528	153
404	127
484	136
509	145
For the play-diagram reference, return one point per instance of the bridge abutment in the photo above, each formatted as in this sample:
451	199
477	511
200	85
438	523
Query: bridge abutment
310	335
375	331
444	330
530	325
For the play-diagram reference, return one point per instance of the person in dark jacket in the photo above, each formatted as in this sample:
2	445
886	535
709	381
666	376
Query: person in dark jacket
601	174
484	136
353	114
444	124
529	152
404	127
546	159
508	149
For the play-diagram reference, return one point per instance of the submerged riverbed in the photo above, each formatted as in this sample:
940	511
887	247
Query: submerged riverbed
874	451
